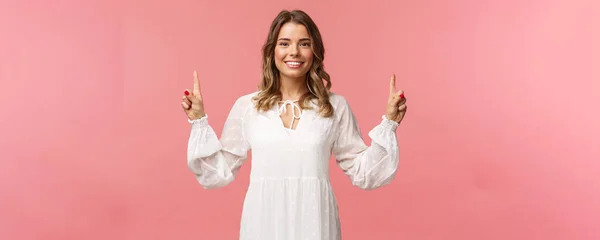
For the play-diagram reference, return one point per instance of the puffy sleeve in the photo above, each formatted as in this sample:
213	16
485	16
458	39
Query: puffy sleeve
368	167
216	162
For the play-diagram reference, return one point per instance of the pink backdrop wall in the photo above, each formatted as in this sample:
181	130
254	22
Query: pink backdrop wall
500	140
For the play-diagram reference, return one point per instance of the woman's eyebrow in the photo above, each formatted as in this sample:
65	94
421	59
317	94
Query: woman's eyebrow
301	39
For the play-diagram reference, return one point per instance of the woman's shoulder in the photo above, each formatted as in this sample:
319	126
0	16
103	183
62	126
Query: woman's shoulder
246	99
244	102
337	100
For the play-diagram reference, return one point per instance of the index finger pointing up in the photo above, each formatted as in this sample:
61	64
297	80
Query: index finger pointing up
393	84
196	84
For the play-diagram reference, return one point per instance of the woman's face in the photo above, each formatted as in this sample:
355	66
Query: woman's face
293	51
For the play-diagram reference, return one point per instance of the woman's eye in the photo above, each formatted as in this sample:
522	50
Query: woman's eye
282	44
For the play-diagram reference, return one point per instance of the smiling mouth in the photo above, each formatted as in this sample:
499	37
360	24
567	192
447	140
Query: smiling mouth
294	64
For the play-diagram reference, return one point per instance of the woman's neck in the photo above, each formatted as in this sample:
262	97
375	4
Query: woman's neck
292	89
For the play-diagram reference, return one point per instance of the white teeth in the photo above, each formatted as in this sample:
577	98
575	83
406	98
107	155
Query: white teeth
294	63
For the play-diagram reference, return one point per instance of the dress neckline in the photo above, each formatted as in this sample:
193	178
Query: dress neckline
296	115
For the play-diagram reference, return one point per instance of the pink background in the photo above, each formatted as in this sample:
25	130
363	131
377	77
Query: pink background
500	140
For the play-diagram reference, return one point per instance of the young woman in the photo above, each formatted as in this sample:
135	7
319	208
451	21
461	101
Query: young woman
293	124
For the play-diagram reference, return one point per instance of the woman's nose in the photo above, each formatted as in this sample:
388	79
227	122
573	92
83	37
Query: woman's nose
294	51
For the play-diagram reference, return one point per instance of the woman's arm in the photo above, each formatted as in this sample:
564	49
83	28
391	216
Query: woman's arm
216	162
368	167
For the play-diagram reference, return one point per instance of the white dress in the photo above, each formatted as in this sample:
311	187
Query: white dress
289	196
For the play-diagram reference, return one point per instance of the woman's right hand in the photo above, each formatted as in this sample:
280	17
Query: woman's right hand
192	101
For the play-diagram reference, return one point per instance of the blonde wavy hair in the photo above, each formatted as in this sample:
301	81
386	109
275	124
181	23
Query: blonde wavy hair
269	88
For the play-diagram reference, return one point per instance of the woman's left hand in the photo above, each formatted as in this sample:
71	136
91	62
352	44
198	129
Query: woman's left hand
396	107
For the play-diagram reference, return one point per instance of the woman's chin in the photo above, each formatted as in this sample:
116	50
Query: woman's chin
293	74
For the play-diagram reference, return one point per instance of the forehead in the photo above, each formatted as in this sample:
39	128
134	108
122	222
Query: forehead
293	31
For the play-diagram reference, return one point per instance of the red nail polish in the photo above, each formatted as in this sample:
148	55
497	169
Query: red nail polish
401	96
186	92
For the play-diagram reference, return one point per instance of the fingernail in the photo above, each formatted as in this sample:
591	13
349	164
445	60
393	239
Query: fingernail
186	92
401	96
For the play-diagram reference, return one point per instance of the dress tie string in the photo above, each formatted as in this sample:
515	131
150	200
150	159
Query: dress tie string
294	105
